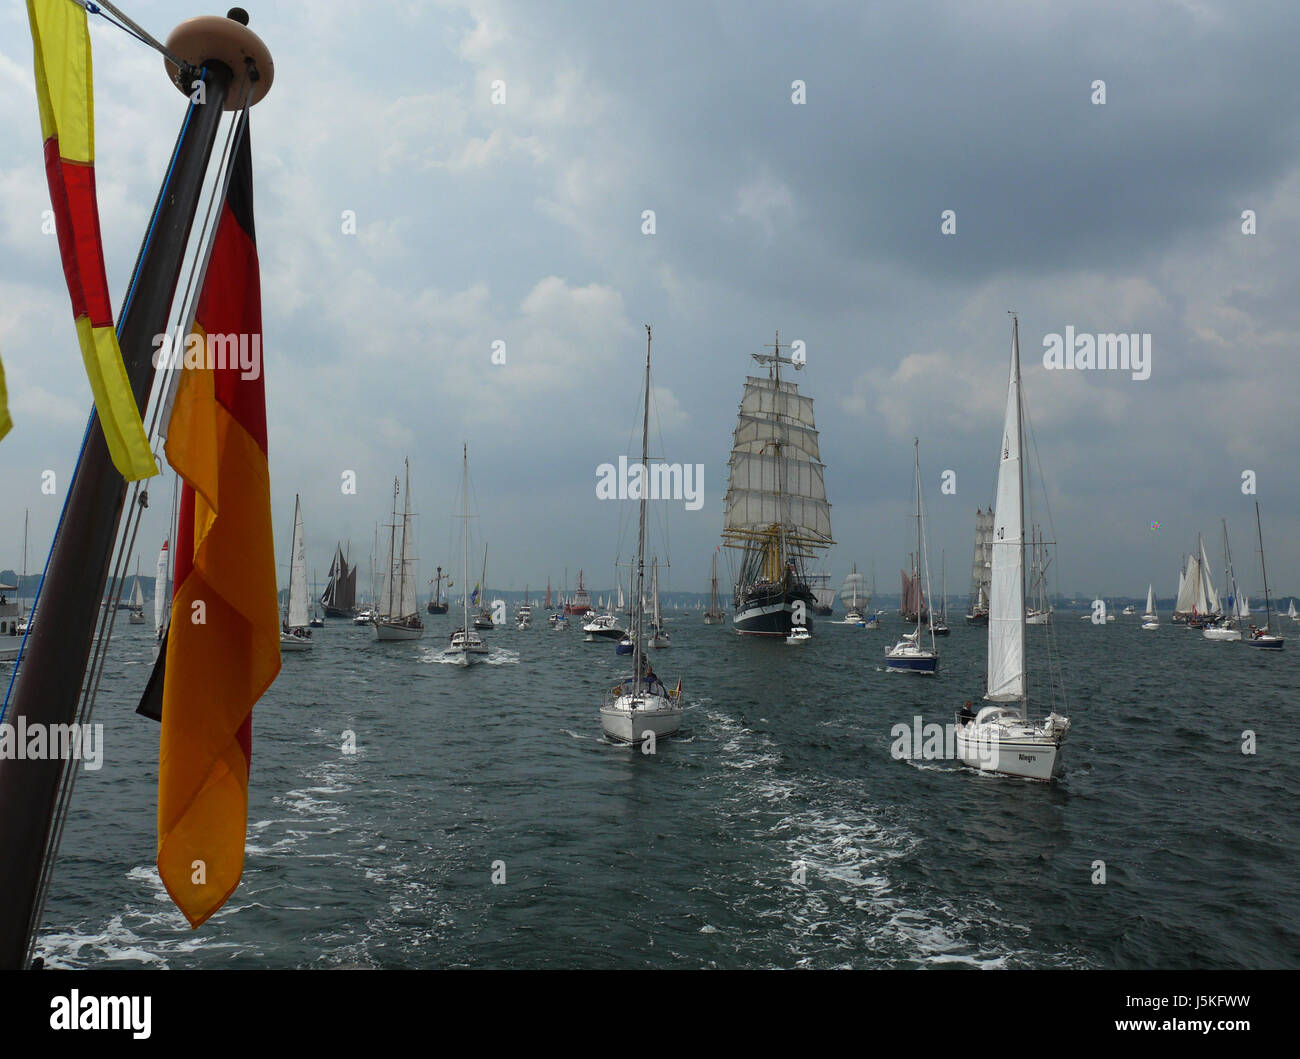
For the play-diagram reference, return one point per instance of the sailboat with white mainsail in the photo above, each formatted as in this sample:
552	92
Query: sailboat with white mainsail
465	646
640	705
1001	738
1291	612
1150	619
294	633
136	609
398	616
776	512
910	655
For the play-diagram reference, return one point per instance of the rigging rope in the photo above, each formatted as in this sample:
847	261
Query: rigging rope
120	21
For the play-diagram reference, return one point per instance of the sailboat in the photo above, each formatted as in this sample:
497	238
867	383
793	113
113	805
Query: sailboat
853	594
776	512
524	613
1198	600
981	565
658	634
1150	619
641	705
435	604
1225	627
340	596
294	633
1040	613
465	646
1001	738
136	614
714	615
317	621
1291	612
940	626
909	655
398	616
873	616
1262	638
483	619
162	592
368	614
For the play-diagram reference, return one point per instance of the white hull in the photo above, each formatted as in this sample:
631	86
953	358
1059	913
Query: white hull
136	618
1041	617
294	643
466	656
1215	633
800	635
1150	625
1001	743
397	630
627	720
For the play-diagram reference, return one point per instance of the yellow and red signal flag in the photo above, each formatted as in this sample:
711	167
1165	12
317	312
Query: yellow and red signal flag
223	647
63	89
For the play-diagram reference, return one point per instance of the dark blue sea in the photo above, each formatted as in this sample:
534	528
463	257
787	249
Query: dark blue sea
777	831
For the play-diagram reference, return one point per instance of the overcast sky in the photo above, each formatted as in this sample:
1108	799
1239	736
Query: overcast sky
522	222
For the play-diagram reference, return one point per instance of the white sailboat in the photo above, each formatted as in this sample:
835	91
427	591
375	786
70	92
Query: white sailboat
483	619
641	705
136	609
294	633
910	655
1263	638
1291	612
1040	613
465	646
1225	627
853	594
1001	738
1150	619
398	616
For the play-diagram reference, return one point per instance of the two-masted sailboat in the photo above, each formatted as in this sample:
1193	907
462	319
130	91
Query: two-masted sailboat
777	514
294	632
1001	738
465	646
981	568
340	596
1198	600
398	616
641	705
714	615
910	655
1224	627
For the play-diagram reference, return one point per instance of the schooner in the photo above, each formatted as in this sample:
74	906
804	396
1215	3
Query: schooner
777	514
340	596
398	616
981	568
714	615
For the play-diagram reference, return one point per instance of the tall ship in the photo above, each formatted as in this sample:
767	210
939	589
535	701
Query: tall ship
1198	600
776	512
398	615
912	604
340	596
715	614
981	568
823	594
436	604
581	601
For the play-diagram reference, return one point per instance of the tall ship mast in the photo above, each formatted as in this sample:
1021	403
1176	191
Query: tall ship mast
777	514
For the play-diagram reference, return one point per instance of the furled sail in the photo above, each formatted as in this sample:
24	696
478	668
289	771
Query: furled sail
162	589
1006	654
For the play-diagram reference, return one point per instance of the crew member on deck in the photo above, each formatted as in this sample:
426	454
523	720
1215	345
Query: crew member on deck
967	714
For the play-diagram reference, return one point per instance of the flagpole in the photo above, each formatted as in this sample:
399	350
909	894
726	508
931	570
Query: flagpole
49	682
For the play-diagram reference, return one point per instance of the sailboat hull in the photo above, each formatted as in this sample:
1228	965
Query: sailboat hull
397	630
289	644
1029	759
927	664
628	720
770	613
437	608
1267	643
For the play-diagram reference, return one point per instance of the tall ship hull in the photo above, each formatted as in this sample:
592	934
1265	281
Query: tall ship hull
769	610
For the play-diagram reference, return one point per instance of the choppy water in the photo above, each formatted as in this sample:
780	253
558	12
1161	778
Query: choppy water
690	857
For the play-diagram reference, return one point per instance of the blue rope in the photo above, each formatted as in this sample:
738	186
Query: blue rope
135	279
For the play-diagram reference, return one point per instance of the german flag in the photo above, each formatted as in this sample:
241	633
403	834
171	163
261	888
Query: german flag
223	648
63	88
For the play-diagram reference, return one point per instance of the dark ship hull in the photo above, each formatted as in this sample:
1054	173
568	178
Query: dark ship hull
768	610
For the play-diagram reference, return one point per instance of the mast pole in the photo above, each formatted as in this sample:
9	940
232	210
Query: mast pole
406	517
640	537
48	686
464	588
1020	474
1268	607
